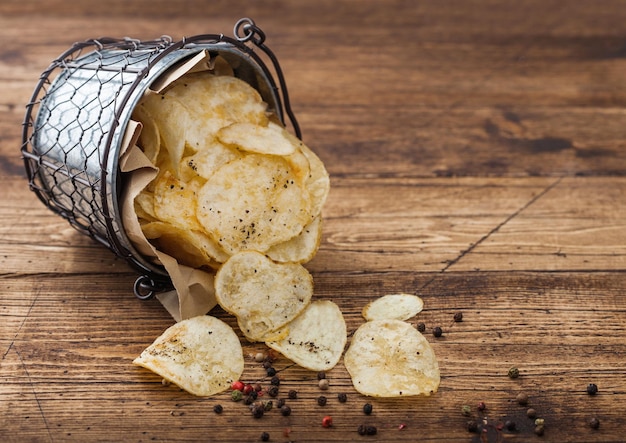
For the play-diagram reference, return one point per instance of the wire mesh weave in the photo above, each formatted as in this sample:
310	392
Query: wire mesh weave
76	118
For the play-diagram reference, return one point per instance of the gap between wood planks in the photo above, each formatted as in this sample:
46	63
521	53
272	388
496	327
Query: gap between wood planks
472	246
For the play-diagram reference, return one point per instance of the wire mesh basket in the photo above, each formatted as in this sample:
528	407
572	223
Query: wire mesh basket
79	111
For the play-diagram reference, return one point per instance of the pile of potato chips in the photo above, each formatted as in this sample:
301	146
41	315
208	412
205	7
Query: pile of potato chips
236	194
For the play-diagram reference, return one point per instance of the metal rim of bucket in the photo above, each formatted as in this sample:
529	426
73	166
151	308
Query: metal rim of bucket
153	278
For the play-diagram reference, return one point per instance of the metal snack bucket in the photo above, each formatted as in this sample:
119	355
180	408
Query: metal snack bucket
79	111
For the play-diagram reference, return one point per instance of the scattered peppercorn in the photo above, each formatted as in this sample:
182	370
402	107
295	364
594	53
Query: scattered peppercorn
531	413
594	423
472	426
275	380
258	387
268	405
236	395
323	384
259	357
421	327
293	394
522	398
342	397
481	406
370	430
257	410
509	425
270	371
237	385
285	410
267	364
272	391
437	331
540	422
247	389
321	400
367	408
539	430
280	403
327	421
361	429
592	389
218	409
249	399
321	375
513	372
466	410
458	316
265	436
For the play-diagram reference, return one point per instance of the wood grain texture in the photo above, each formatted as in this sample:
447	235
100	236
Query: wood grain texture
477	159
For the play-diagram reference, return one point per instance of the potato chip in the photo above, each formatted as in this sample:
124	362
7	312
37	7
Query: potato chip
201	355
271	139
214	102
316	338
206	161
393	307
390	358
318	180
191	248
170	117
301	248
253	203
175	201
262	294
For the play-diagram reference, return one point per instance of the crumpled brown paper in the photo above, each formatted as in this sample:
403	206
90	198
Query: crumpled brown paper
194	292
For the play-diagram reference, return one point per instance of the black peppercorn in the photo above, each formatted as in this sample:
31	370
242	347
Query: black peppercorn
321	400
592	389
472	426
367	408
361	429
509	425
285	410
270	371
594	423
280	403
275	380
293	394
539	430
272	391
267	364
458	317
421	327
257	410
522	399
342	397
371	430
218	409
249	399
321	375
265	436
437	331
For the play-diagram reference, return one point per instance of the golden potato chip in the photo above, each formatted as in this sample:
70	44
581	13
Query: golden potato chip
201	355
262	294
251	137
206	161
316	338
191	248
393	307
216	101
170	117
253	203
175	201
318	180
302	247
390	358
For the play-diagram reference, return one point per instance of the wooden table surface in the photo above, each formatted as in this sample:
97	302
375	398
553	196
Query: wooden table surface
477	154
